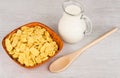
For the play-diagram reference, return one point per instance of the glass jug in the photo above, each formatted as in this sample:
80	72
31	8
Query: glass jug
73	25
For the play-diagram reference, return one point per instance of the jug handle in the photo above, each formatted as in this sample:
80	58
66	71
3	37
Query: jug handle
88	25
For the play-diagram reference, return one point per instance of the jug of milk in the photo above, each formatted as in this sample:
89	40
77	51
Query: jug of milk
73	25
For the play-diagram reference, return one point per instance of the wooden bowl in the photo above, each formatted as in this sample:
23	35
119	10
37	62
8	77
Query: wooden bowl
55	37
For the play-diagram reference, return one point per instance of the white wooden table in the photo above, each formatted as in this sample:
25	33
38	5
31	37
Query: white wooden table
100	61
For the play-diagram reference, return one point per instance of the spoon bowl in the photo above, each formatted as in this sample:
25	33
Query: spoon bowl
60	64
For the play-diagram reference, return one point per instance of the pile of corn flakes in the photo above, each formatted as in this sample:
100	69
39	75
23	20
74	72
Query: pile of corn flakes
31	45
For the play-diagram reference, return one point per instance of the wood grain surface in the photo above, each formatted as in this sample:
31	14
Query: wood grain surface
100	61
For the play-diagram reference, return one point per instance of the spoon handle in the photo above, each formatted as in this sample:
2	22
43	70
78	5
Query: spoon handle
78	52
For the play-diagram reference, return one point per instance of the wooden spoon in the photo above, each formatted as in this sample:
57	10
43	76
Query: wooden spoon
63	62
